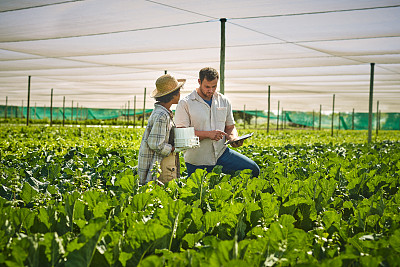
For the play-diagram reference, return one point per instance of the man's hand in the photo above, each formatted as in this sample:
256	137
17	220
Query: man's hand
216	135
237	143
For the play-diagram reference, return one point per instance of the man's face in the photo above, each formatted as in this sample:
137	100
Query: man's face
207	88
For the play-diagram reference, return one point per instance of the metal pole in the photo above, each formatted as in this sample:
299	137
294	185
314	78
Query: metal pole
269	104
222	58
63	110
256	117
72	111
51	108
282	119
377	117
352	121
129	103
144	106
320	116
333	113
244	117
134	111
5	114
277	118
29	98
313	118
371	93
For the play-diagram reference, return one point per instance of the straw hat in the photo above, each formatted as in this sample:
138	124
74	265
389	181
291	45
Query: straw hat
166	84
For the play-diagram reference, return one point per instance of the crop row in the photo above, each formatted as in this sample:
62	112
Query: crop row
71	197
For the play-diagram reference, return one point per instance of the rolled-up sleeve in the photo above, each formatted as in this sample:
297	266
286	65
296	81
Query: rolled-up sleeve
156	140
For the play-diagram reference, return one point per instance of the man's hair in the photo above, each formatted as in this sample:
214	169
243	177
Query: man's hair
168	97
209	73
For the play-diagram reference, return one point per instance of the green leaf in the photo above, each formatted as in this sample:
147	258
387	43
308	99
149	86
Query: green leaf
128	183
28	193
191	240
54	247
394	240
81	249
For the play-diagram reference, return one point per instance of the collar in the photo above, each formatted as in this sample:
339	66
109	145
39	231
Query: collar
159	106
195	96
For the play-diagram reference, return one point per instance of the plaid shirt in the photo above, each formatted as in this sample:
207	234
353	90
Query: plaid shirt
154	146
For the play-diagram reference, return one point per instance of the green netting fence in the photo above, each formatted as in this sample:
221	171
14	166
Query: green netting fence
345	121
39	113
342	120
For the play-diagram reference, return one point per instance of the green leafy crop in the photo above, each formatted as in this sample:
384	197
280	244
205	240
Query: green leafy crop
71	197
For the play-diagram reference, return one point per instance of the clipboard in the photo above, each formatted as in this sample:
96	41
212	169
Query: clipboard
243	137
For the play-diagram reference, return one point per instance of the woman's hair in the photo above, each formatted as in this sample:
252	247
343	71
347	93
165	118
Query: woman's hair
209	73
168	97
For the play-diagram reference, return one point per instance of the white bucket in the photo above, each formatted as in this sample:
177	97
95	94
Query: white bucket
185	138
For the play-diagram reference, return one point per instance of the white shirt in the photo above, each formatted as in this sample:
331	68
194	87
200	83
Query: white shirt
193	111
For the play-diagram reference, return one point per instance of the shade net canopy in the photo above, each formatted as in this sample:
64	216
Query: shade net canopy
101	54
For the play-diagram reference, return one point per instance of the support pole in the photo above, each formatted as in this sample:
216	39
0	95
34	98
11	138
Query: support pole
284	119
51	108
244	117
5	113
377	117
256	118
269	106
333	113
371	93
165	71
313	118
144	106
222	58
352	120
320	117
72	111
64	111
134	111
29	99
129	104
277	118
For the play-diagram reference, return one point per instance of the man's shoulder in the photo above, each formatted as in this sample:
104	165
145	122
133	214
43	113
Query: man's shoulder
188	97
222	97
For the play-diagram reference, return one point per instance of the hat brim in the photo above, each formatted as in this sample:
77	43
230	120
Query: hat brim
156	93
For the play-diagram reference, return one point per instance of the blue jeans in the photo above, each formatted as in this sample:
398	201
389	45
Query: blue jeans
231	161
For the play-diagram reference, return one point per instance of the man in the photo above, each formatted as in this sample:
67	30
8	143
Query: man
210	113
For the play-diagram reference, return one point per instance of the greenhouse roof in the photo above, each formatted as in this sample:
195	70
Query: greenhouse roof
102	53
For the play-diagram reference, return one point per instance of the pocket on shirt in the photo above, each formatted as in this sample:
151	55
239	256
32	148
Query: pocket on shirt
221	114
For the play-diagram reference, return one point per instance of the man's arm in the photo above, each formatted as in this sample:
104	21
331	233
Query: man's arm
213	135
232	134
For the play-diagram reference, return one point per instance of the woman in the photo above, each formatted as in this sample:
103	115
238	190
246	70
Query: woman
157	142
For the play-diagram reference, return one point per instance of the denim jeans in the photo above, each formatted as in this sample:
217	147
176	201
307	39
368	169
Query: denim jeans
231	161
